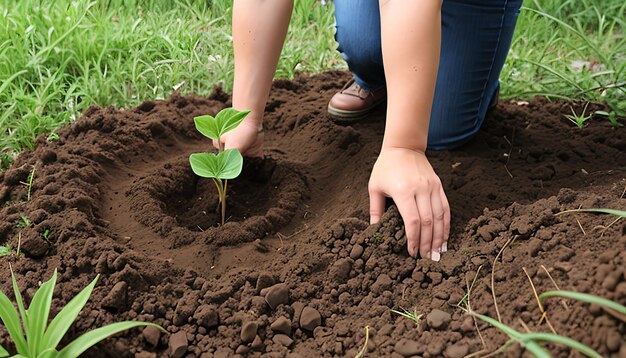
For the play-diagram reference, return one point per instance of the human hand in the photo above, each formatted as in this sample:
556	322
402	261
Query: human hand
247	137
407	177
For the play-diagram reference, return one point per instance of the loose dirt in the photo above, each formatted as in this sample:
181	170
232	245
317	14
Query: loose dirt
297	271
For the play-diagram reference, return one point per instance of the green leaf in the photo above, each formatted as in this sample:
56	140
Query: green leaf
37	314
20	306
229	118
64	319
3	352
207	125
231	163
225	165
226	120
11	321
585	297
556	339
596	210
89	339
48	353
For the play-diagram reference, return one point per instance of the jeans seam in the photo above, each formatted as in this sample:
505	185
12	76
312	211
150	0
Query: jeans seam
493	59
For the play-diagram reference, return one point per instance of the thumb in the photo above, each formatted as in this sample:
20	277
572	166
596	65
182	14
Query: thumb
377	205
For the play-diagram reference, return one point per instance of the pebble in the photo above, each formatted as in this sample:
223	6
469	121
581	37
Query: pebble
242	350
456	351
248	331
257	343
406	348
438	319
264	280
178	344
340	270
613	341
283	340
282	325
356	252
383	282
310	319
151	335
277	295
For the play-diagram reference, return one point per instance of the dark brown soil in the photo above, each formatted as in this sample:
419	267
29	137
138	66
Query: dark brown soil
297	271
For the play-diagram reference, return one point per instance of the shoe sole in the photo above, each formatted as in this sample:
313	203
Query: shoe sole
352	116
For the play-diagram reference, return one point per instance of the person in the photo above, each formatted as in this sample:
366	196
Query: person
436	63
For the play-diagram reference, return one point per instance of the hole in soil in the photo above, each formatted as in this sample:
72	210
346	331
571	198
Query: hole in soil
196	205
173	202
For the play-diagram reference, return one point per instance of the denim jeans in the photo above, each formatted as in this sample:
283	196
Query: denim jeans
475	39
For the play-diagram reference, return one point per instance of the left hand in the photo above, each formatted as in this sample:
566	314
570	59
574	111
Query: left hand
407	177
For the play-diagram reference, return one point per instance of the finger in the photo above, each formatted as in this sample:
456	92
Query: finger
426	228
377	205
438	218
446	219
410	215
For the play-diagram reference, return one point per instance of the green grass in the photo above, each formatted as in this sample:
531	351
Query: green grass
59	57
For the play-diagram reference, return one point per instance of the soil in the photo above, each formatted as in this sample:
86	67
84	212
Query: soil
297	271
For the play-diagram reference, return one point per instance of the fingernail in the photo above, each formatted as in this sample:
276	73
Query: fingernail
444	247
435	255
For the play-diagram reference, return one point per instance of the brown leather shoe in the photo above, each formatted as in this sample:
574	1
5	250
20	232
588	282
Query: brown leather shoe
354	101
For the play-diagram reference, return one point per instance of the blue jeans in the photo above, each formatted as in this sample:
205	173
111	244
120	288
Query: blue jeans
475	39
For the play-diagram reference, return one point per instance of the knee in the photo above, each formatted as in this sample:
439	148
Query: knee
452	129
358	47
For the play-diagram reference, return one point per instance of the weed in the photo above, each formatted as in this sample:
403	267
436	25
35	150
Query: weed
45	234
52	137
577	119
41	339
412	315
608	305
227	164
377	238
615	212
22	222
5	250
612	116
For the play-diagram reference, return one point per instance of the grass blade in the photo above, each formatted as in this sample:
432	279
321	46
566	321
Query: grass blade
20	306
553	338
11	321
363	350
64	319
585	297
3	352
596	210
89	339
37	313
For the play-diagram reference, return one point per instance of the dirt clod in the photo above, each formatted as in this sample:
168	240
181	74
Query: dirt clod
282	339
115	300
438	319
178	344
281	325
406	348
152	335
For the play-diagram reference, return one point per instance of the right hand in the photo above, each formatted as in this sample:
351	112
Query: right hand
246	137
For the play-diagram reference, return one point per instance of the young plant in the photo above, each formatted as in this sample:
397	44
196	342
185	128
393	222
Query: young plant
612	116
577	119
225	165
41	341
5	250
413	316
22	222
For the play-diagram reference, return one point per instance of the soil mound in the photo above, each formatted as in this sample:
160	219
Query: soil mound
297	271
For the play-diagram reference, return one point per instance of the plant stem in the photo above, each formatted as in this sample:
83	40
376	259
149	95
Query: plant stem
223	199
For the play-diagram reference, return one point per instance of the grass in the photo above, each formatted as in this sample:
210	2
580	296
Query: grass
59	57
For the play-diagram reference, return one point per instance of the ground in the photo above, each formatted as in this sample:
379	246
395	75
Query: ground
297	271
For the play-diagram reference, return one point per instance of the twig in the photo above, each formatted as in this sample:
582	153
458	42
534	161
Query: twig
469	306
555	285
544	315
493	270
605	228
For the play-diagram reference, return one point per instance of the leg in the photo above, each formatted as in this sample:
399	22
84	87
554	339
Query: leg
358	35
476	37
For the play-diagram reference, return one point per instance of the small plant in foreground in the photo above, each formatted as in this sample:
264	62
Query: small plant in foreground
227	164
612	116
22	222
41	341
5	250
577	119
413	316
52	137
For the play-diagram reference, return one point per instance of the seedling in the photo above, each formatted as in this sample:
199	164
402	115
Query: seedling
413	316
52	136
45	234
610	306
41	341
225	165
5	250
612	116
22	222
577	119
